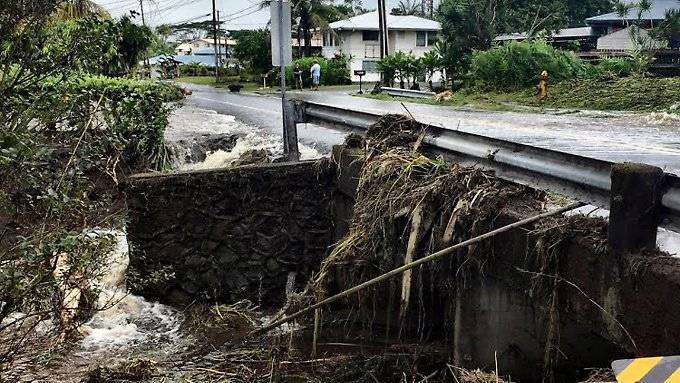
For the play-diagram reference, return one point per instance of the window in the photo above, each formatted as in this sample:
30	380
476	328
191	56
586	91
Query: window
426	38
421	38
369	35
431	38
370	66
329	40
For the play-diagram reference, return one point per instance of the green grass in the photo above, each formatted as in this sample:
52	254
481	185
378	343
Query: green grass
641	94
633	93
247	86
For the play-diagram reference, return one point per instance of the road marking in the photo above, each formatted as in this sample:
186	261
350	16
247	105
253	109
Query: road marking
661	369
674	378
237	105
637	369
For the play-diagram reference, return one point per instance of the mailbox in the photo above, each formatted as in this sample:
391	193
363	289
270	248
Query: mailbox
360	73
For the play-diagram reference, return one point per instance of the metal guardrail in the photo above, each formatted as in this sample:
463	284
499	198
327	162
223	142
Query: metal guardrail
581	178
407	92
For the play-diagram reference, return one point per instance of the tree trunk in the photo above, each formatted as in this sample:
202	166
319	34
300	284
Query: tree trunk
308	42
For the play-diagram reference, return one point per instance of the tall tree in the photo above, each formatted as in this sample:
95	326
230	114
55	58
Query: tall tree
408	7
75	9
313	15
254	48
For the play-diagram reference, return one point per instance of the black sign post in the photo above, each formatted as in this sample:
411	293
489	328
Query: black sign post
361	74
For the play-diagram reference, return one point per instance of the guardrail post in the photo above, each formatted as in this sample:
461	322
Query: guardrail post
635	207
290	140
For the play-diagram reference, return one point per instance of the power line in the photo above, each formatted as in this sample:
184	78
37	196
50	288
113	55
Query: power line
243	10
244	15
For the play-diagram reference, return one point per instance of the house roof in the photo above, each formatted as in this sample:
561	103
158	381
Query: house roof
657	11
562	33
369	21
205	60
220	40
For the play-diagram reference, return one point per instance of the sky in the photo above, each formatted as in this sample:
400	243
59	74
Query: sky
237	13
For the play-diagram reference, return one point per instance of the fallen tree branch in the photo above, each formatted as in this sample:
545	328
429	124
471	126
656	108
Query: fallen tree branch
411	265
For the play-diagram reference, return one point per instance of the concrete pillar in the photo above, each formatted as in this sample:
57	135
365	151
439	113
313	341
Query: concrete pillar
349	162
634	207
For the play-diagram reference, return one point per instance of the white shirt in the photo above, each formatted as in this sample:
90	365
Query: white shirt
316	70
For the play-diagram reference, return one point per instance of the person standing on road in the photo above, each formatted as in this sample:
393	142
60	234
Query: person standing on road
297	72
316	75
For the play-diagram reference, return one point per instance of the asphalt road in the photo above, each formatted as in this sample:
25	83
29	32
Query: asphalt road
651	139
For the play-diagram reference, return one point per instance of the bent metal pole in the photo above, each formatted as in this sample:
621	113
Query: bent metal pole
415	263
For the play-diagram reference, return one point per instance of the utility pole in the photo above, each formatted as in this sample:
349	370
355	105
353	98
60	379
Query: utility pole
219	45
382	32
214	22
146	59
141	8
382	29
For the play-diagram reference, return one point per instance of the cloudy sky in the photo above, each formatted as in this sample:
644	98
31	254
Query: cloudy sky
239	13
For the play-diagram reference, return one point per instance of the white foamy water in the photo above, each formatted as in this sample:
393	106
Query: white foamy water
662	118
126	321
188	123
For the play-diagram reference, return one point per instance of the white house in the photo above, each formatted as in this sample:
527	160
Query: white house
357	37
189	47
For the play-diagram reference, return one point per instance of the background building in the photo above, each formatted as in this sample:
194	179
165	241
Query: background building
357	37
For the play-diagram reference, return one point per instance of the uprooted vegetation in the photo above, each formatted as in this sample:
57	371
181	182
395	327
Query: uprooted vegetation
409	205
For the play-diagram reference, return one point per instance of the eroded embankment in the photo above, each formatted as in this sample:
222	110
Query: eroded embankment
542	302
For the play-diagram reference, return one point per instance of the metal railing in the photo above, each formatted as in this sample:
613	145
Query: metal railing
407	92
581	178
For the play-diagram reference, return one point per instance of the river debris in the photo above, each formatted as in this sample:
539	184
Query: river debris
409	205
136	370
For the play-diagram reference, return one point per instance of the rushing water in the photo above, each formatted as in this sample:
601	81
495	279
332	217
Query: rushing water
189	123
126	321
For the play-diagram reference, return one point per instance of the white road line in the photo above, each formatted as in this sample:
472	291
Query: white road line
237	105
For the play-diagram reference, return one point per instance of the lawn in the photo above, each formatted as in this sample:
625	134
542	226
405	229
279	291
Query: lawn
641	94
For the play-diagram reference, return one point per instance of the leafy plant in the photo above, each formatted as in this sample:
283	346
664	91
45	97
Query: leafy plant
333	72
403	66
254	49
519	64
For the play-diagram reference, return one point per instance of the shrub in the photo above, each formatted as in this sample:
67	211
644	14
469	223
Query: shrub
519	64
333	72
134	112
619	67
402	66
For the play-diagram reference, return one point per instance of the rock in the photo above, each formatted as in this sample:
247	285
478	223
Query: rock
253	157
198	149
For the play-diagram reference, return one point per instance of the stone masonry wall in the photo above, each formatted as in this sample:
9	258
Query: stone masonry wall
228	234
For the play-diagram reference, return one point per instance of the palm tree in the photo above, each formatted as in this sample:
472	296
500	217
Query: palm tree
408	7
75	9
310	15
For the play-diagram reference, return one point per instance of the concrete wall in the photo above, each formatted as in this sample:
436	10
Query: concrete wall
228	234
497	306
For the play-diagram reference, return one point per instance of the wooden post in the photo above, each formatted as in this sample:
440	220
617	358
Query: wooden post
634	207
